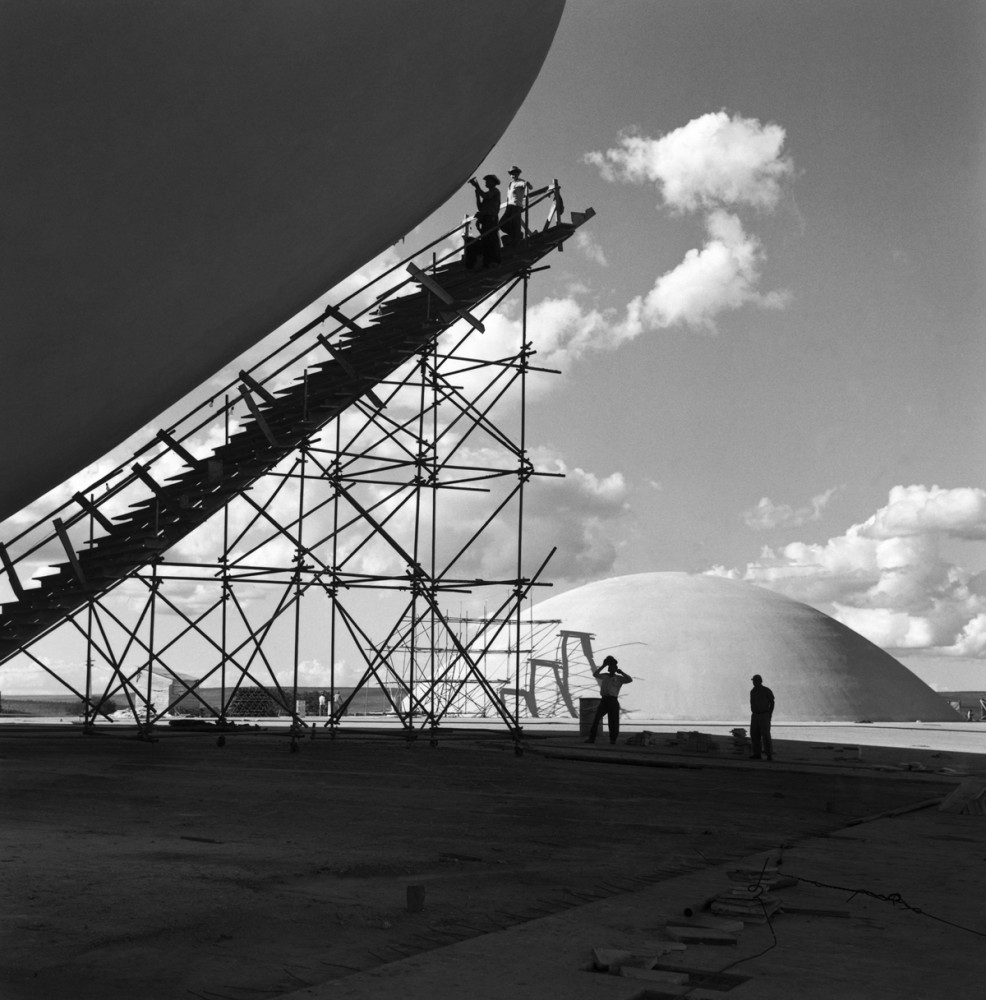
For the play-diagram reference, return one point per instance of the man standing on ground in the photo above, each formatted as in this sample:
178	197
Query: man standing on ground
761	710
609	700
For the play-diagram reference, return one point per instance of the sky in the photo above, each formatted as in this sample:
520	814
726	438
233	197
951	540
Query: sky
770	334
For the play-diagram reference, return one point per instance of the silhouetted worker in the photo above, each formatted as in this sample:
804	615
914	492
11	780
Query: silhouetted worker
488	218
761	710
470	245
609	700
512	222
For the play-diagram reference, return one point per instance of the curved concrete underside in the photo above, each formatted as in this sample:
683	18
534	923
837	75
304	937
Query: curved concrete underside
691	644
178	178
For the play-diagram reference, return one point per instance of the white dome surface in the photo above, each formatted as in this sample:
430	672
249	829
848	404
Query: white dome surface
692	643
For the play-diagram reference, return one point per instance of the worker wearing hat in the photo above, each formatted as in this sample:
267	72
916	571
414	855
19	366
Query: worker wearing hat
487	218
512	222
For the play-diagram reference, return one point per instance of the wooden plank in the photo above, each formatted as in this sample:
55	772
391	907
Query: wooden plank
718	923
699	935
93	511
654	975
967	798
343	320
436	289
183	453
350	371
12	578
258	416
254	386
608	958
69	550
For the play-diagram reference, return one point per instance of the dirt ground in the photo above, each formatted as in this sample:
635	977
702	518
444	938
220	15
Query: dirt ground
178	868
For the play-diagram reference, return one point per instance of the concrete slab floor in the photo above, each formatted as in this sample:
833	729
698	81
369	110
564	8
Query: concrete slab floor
179	869
883	949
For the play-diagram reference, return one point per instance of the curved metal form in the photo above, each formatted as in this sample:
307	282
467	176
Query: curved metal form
179	178
347	437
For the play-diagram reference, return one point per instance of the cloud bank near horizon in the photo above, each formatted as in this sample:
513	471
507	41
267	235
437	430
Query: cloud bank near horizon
891	577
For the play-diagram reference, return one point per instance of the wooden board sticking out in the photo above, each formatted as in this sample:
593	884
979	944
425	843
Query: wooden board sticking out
699	935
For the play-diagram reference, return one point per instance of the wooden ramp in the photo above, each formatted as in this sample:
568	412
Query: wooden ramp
280	422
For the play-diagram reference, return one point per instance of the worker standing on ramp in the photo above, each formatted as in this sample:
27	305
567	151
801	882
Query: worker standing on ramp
488	218
512	222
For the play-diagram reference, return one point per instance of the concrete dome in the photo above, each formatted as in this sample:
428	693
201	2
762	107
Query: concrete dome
691	644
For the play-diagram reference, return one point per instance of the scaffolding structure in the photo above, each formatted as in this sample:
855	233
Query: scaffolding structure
536	673
338	493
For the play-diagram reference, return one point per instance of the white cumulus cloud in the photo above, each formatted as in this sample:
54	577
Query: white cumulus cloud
889	577
716	164
766	514
716	159
722	275
916	510
574	514
588	245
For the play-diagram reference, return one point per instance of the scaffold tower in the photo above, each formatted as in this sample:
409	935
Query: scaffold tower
345	481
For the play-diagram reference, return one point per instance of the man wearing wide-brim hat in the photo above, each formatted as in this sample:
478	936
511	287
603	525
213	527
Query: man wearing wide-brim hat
487	217
512	222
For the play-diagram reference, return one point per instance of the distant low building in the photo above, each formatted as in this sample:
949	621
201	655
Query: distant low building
40	705
268	702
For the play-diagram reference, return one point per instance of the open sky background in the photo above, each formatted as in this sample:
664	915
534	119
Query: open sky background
771	334
772	337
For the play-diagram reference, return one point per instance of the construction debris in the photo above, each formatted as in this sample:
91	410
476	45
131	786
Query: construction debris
969	798
606	959
696	934
813	910
614	960
644	739
750	907
765	877
719	923
741	742
655	976
696	741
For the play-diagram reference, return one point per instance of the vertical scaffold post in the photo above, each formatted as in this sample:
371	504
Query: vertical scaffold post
523	475
417	502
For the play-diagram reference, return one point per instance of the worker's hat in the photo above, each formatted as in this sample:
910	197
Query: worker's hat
513	170
491	177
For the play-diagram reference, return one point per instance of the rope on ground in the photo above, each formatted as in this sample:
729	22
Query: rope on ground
756	890
894	898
